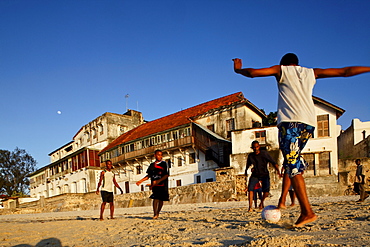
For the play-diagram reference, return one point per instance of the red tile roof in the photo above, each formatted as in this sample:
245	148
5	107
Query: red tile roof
179	118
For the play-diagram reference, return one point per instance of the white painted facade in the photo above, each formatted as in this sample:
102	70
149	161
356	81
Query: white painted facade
317	147
184	170
353	142
75	167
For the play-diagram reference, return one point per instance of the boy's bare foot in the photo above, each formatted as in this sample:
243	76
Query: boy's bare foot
250	210
155	217
302	220
101	219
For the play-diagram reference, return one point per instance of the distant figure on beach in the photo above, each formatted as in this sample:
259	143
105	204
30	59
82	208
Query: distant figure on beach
107	180
259	159
360	181
257	194
296	117
158	173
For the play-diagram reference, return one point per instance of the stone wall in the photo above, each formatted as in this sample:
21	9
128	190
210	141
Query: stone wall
228	186
347	171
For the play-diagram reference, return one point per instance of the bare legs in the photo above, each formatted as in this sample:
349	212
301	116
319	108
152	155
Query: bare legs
284	191
102	208
250	200
307	215
157	207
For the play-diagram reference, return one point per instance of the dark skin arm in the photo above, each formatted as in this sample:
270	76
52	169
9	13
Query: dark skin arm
341	72
116	184
100	181
263	72
319	73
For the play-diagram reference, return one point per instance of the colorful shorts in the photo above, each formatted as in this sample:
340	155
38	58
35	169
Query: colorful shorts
293	137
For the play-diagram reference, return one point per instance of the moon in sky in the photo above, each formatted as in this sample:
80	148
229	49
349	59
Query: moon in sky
59	112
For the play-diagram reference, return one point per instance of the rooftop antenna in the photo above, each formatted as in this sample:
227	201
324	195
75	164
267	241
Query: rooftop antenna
126	96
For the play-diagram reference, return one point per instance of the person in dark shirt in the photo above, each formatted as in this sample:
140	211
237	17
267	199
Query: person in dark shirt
259	159
158	173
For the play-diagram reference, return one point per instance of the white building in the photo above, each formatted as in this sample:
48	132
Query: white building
74	167
195	141
354	142
320	151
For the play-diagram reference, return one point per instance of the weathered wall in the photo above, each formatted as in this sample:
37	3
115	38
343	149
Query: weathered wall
229	186
347	171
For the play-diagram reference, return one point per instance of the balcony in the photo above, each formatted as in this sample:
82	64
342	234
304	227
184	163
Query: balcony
182	142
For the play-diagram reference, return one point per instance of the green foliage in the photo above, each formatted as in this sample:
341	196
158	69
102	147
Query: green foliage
271	119
15	166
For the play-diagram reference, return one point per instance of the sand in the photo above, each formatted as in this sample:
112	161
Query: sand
342	222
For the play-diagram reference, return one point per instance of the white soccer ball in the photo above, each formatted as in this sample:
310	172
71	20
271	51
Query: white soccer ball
271	213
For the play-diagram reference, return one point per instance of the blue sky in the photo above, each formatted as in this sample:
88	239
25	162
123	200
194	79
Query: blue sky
82	57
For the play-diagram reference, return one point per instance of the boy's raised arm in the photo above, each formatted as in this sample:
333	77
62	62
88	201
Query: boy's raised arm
341	72
250	72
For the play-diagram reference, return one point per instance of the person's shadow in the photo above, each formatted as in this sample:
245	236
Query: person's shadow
45	242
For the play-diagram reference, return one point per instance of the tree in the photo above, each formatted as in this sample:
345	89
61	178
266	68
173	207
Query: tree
271	119
15	166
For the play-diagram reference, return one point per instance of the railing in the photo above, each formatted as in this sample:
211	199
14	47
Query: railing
188	140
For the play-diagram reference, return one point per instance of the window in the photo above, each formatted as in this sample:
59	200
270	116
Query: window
323	125
121	129
198	179
187	132
178	182
164	137
191	158
260	136
179	161
209	180
100	129
127	187
153	141
230	124
175	135
211	127
139	170
169	137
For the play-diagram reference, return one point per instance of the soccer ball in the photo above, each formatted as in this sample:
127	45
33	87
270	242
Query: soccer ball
271	213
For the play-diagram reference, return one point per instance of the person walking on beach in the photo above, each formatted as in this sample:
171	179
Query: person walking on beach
259	159
107	180
158	173
360	180
296	117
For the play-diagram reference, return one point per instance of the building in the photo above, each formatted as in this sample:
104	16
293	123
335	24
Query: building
354	142
320	151
194	141
74	167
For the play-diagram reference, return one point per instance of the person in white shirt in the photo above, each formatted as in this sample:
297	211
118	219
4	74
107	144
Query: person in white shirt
107	180
296	118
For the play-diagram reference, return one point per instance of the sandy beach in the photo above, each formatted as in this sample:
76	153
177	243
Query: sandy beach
342	222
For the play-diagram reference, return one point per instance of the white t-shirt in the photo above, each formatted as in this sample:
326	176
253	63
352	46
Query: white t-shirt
108	181
295	102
